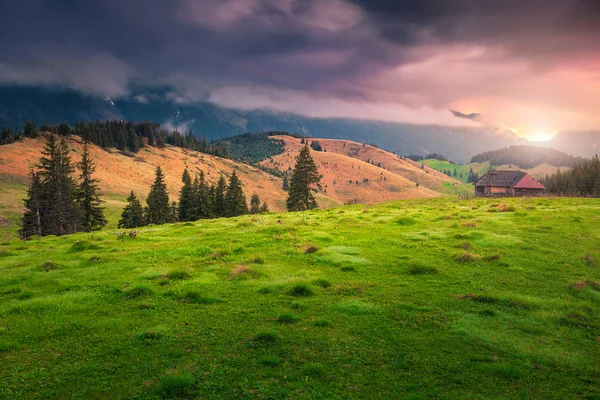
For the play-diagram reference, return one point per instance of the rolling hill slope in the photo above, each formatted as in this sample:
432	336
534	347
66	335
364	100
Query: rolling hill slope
119	174
350	179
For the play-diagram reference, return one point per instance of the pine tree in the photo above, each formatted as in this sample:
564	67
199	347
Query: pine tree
264	208
133	213
29	130
305	182
122	139
202	201
31	223
186	199
286	183
60	214
159	209
174	217
254	204
235	200
219	199
88	195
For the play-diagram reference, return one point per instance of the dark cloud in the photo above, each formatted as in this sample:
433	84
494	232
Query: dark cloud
414	53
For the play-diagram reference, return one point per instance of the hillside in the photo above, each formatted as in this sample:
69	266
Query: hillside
428	178
527	157
538	172
350	179
421	299
119	174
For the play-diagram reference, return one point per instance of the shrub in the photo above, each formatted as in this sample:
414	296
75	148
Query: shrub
177	386
301	290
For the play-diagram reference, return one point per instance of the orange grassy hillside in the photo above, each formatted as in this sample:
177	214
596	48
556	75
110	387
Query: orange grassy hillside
409	169
119	174
349	179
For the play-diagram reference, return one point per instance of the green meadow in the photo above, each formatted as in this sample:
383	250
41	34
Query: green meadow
447	299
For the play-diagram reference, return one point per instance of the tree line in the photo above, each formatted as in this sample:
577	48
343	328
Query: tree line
125	136
527	157
582	180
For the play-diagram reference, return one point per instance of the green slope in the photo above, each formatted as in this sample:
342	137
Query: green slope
438	165
420	299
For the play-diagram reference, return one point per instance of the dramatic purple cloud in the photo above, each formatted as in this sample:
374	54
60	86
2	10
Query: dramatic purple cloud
527	65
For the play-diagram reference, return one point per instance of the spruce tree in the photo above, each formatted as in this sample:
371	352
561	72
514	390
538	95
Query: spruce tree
305	182
133	213
264	208
286	183
31	223
88	195
60	214
29	130
254	204
202	201
186	199
235	200
219	198
159	209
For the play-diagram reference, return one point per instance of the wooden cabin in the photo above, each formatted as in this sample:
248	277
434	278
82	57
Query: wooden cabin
507	183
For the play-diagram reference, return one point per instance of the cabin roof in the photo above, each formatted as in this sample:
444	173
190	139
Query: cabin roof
509	179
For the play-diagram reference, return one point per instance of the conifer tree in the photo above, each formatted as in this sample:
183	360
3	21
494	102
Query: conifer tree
201	197
133	213
286	183
60	214
186	199
254	204
304	183
174	212
29	130
159	209
235	200
31	222
88	195
264	208
219	198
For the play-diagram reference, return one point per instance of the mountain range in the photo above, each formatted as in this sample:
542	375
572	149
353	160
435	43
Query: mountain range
20	104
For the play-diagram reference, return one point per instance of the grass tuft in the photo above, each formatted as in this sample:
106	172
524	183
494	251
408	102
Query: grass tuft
467	257
301	290
177	386
348	268
138	291
178	275
322	283
271	361
405	221
288	318
311	249
266	337
420	269
322	322
313	370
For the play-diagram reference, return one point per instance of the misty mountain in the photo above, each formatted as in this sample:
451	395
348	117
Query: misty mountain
19	104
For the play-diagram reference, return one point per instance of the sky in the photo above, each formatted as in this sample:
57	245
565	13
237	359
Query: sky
532	66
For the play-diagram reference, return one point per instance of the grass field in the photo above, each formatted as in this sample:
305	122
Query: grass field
418	299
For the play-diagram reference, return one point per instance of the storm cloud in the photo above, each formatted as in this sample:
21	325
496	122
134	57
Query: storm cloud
525	65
